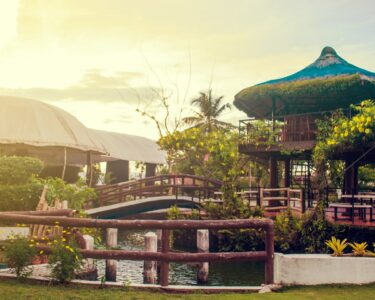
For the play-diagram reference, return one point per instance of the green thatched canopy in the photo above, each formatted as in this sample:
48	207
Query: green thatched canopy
327	84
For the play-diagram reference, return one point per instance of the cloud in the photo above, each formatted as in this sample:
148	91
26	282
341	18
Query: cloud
94	86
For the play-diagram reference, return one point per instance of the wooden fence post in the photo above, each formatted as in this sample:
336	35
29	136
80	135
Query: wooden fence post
110	264
164	266
203	245
270	254
303	201
149	267
89	245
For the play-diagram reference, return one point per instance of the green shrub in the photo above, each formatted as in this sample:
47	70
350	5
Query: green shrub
288	232
76	194
16	170
20	197
65	260
315	230
19	254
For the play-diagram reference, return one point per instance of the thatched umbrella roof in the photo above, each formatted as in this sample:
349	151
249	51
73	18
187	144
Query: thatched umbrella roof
327	84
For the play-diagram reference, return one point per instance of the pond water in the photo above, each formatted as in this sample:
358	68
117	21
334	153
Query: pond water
229	274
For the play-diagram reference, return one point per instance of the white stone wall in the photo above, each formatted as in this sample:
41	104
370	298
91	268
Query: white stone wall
312	269
7	231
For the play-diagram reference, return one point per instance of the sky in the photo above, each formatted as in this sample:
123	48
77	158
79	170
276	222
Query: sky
102	59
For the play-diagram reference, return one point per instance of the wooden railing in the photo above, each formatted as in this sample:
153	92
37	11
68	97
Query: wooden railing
173	185
282	198
165	256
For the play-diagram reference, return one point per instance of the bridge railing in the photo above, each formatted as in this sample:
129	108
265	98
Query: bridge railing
165	256
177	185
282	198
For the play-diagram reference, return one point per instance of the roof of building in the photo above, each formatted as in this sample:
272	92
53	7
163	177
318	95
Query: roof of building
130	147
34	123
330	82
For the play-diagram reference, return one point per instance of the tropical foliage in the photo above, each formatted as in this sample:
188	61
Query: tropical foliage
76	194
340	133
210	109
19	253
359	249
64	259
19	187
337	246
211	154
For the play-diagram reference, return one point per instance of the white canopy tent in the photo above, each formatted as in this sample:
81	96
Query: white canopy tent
130	147
34	123
34	128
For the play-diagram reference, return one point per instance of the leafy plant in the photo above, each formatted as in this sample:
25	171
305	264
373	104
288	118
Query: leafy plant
16	170
287	232
19	254
359	249
64	259
76	194
337	246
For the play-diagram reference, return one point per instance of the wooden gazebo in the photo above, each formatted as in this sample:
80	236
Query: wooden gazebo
291	105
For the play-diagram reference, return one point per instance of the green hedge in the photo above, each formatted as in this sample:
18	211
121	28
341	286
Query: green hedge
18	170
20	197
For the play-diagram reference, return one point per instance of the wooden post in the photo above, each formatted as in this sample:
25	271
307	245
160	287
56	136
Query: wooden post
203	246
64	204
287	172
270	253
110	264
89	240
164	266
158	234
149	267
273	172
88	169
303	201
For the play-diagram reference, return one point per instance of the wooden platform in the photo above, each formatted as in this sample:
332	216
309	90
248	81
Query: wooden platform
329	214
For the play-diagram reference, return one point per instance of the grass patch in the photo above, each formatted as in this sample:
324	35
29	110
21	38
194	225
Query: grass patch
10	289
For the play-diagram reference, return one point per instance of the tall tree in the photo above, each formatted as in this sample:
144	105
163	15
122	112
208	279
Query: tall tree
210	109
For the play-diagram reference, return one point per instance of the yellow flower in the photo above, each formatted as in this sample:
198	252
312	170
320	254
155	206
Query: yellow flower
336	129
368	120
346	133
367	131
41	252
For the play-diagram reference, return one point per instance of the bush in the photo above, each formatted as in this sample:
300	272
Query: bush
65	260
315	230
19	190
19	254
16	170
76	194
288	232
20	197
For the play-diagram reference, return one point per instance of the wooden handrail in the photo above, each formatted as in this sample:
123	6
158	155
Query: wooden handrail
165	256
156	185
289	198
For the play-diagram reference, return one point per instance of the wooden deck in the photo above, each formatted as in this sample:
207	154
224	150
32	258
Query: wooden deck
329	214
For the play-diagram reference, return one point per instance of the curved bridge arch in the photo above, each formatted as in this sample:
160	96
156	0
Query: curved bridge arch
125	209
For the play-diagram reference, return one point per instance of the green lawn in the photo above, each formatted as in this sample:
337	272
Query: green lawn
14	290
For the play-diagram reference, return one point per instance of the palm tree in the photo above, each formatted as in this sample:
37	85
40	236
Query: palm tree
210	109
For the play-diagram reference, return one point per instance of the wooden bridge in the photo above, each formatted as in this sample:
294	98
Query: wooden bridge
187	191
152	193
162	185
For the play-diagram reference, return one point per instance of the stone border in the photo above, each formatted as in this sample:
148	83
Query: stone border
314	269
153	287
